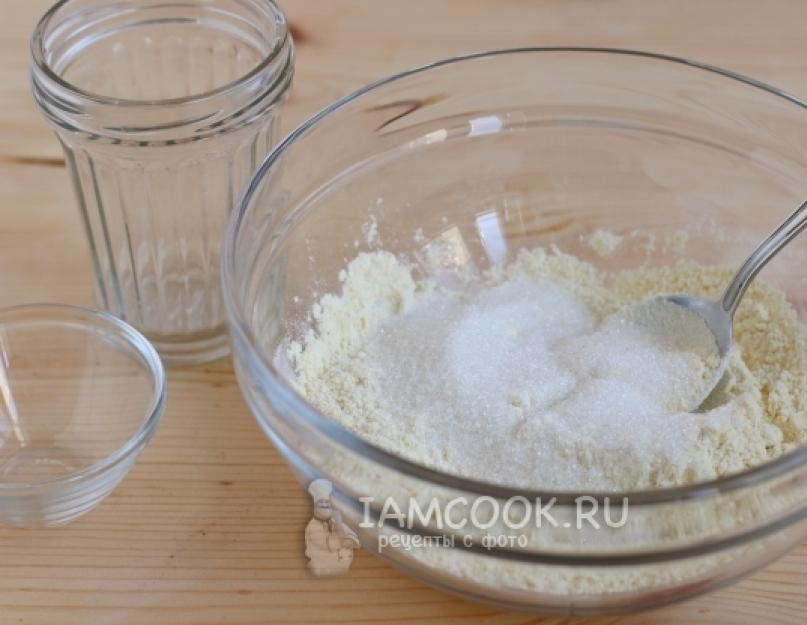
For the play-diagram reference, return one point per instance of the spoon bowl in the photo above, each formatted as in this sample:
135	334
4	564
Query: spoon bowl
718	316
719	324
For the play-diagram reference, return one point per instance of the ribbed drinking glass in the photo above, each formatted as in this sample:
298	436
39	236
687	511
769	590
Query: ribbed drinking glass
163	111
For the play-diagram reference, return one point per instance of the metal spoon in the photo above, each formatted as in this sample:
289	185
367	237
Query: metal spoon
719	316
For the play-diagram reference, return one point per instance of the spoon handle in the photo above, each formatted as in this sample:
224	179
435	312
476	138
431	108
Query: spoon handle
766	250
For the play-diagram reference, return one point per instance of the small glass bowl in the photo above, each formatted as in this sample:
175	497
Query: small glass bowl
81	394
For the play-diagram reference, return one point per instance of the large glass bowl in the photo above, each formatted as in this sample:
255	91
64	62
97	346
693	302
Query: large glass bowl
469	160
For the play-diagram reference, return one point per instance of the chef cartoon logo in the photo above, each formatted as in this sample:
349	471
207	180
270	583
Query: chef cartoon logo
329	542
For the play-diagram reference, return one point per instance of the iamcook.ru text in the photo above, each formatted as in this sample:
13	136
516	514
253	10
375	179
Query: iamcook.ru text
486	512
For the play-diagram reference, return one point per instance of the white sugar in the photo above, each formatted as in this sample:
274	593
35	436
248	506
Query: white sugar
498	345
478	371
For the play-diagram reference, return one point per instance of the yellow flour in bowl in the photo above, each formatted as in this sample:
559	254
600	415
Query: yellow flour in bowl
521	378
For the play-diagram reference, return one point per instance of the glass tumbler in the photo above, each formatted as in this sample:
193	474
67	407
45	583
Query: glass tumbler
163	110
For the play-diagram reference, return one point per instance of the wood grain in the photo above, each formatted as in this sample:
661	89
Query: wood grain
208	527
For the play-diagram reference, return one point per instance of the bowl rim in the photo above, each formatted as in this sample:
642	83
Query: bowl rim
89	318
301	408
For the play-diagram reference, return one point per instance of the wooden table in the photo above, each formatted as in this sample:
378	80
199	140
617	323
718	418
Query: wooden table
208	527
